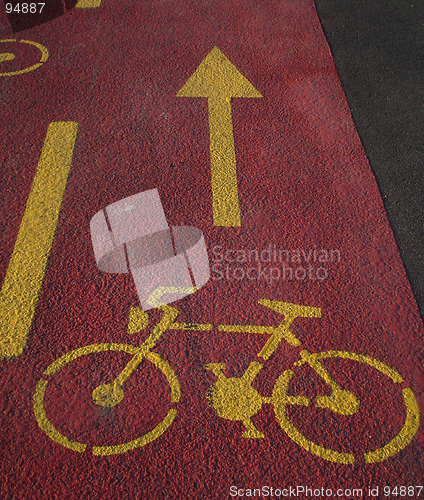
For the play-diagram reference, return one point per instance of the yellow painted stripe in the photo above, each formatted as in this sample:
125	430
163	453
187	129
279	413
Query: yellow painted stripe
24	277
88	4
406	434
7	57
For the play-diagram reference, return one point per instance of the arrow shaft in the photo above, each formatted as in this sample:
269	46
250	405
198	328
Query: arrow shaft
226	210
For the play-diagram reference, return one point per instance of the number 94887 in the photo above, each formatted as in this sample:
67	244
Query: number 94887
25	8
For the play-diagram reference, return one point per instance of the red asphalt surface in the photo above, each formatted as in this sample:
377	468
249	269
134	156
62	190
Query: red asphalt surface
304	183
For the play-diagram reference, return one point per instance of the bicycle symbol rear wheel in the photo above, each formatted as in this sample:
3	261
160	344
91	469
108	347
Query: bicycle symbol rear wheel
281	399
49	429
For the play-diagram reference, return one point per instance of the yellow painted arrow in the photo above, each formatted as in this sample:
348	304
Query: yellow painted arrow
219	80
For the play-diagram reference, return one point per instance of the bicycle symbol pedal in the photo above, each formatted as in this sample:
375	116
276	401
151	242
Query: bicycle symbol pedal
236	398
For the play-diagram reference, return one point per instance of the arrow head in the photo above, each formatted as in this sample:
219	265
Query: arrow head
217	77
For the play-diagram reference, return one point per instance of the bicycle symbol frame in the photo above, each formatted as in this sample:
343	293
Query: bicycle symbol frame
234	398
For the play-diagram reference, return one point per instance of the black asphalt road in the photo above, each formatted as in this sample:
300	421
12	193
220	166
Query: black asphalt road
378	48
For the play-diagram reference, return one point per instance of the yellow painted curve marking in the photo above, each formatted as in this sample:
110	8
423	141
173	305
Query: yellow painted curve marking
45	423
6	57
138	443
219	80
48	428
405	436
25	273
281	399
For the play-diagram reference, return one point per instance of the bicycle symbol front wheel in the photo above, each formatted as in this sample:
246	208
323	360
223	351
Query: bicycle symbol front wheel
50	430
282	399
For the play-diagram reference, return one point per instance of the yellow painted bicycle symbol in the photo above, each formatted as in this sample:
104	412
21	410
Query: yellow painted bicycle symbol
233	398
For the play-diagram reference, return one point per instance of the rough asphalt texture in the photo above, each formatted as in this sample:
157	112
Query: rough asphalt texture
304	183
